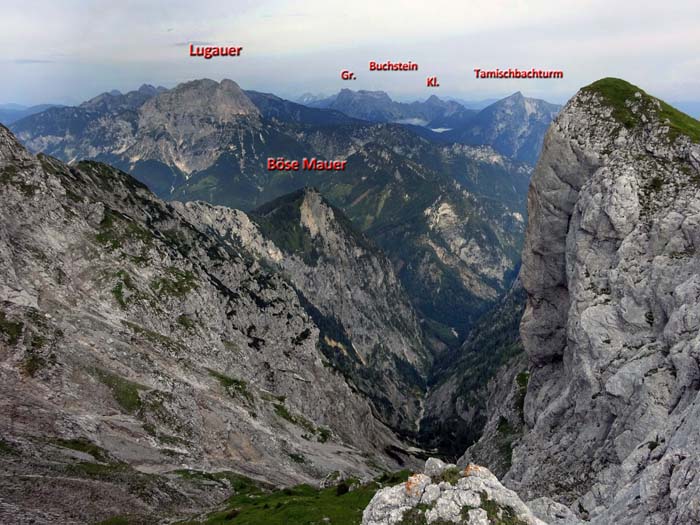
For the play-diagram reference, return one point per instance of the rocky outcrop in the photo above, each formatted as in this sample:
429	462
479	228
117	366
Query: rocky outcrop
445	494
611	328
138	346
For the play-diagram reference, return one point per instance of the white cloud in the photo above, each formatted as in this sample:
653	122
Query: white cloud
290	46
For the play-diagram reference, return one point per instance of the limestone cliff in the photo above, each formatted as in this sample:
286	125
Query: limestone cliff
611	328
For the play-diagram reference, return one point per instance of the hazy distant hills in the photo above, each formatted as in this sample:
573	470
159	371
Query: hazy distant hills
377	106
115	100
10	113
513	126
276	108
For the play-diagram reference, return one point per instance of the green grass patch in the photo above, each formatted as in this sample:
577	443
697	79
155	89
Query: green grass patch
97	470
7	449
507	433
125	283
324	434
10	175
175	283
303	504
616	93
83	445
38	341
297	419
414	516
504	427
117	229
186	322
297	458
32	364
522	380
234	387
497	514
155	337
390	479
450	475
125	392
679	123
238	484
12	330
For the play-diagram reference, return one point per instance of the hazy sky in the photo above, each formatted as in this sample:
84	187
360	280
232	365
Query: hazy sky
69	50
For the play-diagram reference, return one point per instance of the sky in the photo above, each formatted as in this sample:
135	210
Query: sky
68	51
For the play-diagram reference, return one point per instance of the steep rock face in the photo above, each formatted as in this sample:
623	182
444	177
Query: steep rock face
368	329
134	345
611	327
184	126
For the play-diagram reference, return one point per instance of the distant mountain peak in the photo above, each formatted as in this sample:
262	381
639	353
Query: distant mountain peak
223	101
148	89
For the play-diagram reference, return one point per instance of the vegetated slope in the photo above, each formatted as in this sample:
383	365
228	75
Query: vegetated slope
455	410
135	342
611	328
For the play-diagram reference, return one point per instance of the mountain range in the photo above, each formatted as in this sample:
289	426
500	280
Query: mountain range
513	126
177	353
450	217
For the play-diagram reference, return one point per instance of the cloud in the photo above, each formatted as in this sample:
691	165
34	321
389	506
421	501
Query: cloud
289	49
31	61
193	42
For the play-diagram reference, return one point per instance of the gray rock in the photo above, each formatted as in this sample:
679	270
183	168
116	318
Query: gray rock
611	328
475	496
435	467
552	512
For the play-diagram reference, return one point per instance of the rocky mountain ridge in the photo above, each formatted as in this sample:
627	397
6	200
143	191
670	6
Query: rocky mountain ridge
368	328
514	126
606	421
138	347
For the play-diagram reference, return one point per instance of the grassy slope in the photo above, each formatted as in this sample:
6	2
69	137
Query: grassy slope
252	504
617	92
